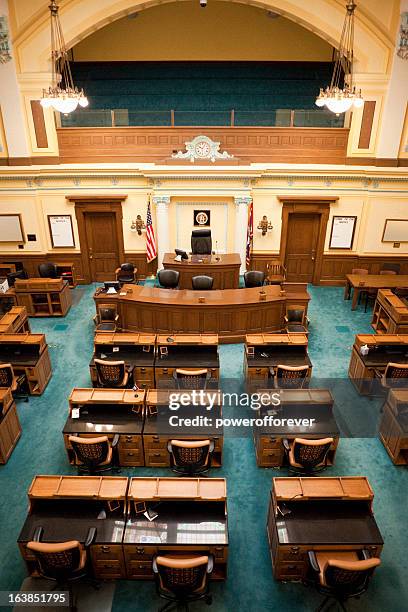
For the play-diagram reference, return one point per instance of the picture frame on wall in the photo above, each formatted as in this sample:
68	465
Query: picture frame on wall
61	231
11	228
342	232
395	230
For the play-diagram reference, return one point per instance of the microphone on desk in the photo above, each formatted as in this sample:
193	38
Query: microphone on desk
217	257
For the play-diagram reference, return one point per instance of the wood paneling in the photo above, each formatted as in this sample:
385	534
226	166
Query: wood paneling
39	124
247	144
366	124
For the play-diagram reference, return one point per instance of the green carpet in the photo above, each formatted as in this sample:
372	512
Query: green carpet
250	586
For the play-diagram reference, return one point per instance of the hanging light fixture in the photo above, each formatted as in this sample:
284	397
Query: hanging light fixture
337	98
62	95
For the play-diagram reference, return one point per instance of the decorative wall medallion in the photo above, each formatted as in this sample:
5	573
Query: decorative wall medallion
4	41
202	217
202	147
403	44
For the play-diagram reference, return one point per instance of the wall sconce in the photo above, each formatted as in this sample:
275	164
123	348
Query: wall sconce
264	225
138	225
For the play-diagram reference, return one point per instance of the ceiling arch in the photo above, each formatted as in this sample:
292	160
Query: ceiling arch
80	18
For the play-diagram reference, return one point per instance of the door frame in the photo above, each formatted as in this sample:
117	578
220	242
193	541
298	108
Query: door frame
307	205
97	204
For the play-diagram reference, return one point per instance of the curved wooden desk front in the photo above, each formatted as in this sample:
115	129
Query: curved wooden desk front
230	313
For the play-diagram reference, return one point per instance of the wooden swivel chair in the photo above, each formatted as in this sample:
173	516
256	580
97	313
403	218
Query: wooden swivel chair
254	278
126	274
275	272
191	379
307	457
289	377
94	455
202	283
168	279
340	575
190	457
106	318
65	563
183	579
394	375
112	374
17	384
296	320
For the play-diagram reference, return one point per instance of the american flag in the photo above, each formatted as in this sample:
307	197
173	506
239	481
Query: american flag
250	234
151	251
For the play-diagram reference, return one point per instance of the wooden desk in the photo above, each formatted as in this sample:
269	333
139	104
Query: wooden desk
7	301
266	351
225	272
43	297
313	505
10	428
362	282
188	352
66	270
157	430
383	349
66	507
394	426
296	404
107	412
390	314
136	350
231	313
15	321
28	354
185	504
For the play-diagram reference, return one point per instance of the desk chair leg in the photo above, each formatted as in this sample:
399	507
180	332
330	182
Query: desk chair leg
168	606
324	603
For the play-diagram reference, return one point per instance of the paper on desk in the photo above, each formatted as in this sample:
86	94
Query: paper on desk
111	290
75	413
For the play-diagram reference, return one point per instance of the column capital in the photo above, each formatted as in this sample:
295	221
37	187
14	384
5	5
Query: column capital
161	201
243	200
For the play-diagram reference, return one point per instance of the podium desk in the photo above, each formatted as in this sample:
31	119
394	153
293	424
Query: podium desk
186	352
230	313
28	354
296	404
107	412
15	321
394	426
224	269
319	514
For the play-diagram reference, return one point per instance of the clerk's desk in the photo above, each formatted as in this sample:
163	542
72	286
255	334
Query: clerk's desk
382	349
230	313
158	430
224	269
394	426
266	351
15	321
136	350
108	412
186	352
296	404
67	507
28	354
320	514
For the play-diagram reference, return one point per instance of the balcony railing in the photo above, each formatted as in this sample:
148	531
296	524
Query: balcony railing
119	117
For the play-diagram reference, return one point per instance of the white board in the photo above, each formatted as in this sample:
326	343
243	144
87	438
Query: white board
395	230
61	231
342	232
10	229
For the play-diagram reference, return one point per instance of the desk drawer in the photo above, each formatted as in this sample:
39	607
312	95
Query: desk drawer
404	444
107	551
131	457
164	372
155	442
109	570
258	372
292	554
135	552
271	458
143	374
140	570
270	442
290	571
129	442
159	458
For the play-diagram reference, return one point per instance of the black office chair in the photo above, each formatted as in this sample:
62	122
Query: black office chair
307	457
94	455
19	273
296	320
168	279
201	242
126	274
18	384
202	283
391	267
113	374
48	270
340	575
191	379
106	318
182	579
254	278
65	563
190	457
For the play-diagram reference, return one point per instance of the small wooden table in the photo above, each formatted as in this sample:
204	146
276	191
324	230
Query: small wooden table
363	282
224	269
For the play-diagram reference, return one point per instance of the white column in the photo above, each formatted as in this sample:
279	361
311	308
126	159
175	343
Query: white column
241	226
393	116
162	227
11	103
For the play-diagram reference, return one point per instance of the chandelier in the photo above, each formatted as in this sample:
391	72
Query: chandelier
62	95
339	97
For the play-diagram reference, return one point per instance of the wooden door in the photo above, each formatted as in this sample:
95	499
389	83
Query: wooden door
103	248
301	246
